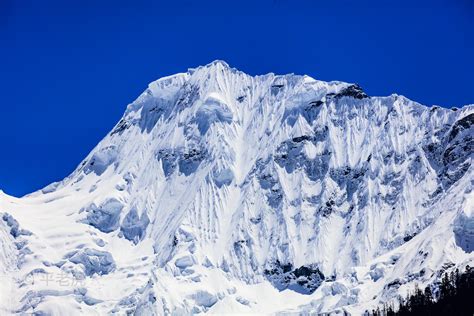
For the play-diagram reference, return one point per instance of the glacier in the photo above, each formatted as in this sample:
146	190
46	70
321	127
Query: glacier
219	192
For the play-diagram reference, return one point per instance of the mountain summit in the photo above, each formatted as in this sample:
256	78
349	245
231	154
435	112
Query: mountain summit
220	192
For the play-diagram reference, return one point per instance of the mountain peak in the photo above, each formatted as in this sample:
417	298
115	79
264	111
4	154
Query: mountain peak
219	63
213	65
275	186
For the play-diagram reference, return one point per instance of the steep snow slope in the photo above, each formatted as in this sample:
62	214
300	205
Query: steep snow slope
220	192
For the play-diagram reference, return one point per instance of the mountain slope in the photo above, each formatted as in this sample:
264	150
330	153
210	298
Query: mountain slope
222	192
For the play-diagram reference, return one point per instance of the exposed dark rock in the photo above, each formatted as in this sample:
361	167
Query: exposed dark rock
256	220
462	124
316	103
290	156
349	179
189	94
190	160
408	237
169	160
240	247
151	114
434	109
353	91
121	126
449	155
311	111
269	182
305	279
327	208
301	138
394	284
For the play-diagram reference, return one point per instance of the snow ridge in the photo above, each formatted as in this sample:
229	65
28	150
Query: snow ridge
221	192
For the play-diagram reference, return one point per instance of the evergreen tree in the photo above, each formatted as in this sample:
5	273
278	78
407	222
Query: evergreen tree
456	297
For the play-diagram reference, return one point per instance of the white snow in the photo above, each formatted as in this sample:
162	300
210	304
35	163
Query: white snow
214	182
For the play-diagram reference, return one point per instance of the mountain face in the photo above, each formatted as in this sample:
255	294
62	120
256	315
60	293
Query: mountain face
219	192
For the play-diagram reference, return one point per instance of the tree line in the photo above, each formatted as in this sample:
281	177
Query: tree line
454	295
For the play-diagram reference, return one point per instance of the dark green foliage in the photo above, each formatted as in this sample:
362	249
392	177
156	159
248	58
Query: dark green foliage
455	296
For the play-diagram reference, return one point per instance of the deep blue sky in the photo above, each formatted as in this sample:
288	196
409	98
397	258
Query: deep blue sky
69	68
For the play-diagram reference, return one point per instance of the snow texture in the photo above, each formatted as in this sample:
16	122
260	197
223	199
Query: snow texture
93	261
105	217
219	192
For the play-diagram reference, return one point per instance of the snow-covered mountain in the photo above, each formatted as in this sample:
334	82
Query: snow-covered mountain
220	192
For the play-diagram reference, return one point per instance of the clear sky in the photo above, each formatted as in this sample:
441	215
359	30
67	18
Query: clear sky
69	68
